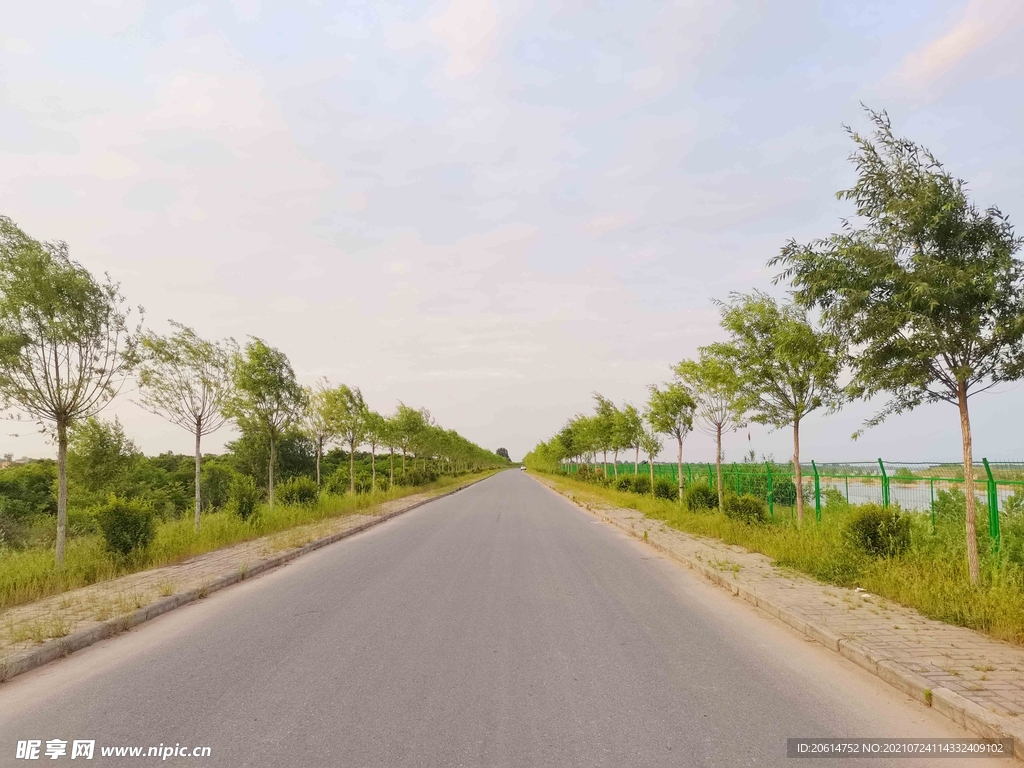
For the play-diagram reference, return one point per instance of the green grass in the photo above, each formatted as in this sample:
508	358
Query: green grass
930	577
30	574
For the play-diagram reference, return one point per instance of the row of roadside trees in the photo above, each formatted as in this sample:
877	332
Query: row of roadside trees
69	345
919	297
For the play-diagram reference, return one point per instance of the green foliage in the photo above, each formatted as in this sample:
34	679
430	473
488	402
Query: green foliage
641	484
301	491
665	489
670	410
101	456
216	479
879	531
700	498
834	500
748	509
128	525
29	489
245	497
624	483
294	454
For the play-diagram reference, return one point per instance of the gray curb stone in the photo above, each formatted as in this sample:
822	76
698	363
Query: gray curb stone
52	650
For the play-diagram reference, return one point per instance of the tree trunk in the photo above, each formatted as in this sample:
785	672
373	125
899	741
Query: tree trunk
636	461
391	460
615	463
270	473
718	466
650	460
199	461
799	482
319	453
62	490
403	462
680	467
973	569
604	464
373	465
351	468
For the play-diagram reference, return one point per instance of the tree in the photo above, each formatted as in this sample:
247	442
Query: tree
716	389
351	425
187	380
320	417
787	368
503	453
652	447
390	439
630	431
66	346
603	428
408	423
376	435
923	285
266	399
670	411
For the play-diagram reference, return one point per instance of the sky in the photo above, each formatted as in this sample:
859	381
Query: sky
490	209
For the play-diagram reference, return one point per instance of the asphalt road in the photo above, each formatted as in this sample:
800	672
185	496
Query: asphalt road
500	626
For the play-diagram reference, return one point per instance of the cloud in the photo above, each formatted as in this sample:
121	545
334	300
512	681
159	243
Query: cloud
468	29
981	23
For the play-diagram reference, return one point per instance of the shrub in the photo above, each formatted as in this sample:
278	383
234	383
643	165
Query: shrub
745	508
665	489
337	483
299	491
699	497
245	497
584	473
878	531
835	500
215	486
127	525
642	484
624	483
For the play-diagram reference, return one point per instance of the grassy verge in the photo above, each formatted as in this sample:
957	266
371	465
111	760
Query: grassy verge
931	576
29	575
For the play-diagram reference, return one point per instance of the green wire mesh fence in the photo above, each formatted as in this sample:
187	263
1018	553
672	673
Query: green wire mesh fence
921	487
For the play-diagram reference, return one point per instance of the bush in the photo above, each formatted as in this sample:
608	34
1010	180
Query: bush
215	485
624	483
584	473
746	508
878	531
337	483
665	489
127	525
245	497
299	491
699	497
834	499
642	484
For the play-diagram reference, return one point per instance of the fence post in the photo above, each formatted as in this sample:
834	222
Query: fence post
817	493
993	507
847	487
771	494
885	484
931	492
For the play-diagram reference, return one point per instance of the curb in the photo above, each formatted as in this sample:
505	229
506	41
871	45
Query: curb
957	708
52	650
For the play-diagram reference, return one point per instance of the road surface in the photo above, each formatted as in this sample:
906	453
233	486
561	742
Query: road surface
501	626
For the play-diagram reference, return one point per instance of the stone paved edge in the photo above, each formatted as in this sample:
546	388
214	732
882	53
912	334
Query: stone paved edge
949	703
52	650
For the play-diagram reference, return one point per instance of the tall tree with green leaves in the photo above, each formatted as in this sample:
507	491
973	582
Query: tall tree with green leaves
266	398
787	368
716	389
66	343
187	380
408	423
670	411
320	417
603	428
351	425
630	427
651	446
376	436
926	288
